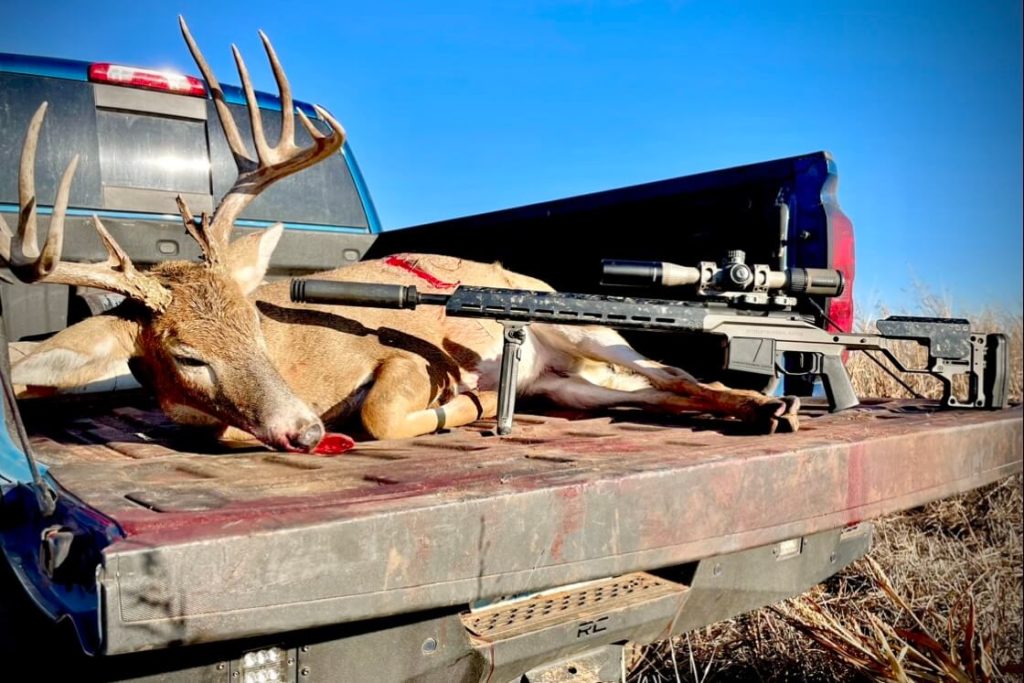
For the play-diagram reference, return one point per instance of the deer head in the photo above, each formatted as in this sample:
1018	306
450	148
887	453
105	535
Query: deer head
189	328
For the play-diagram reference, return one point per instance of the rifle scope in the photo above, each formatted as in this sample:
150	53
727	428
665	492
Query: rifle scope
733	275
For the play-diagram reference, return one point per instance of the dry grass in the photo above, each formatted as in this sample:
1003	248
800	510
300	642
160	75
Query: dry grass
939	597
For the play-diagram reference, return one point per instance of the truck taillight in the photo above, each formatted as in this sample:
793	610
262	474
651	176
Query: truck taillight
167	81
840	308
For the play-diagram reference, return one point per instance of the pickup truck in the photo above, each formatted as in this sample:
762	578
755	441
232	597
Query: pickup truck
460	555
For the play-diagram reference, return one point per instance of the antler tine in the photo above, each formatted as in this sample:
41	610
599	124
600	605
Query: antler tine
284	88
30	264
21	250
263	150
273	162
227	121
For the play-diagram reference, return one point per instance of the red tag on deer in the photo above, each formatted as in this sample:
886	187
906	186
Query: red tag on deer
333	444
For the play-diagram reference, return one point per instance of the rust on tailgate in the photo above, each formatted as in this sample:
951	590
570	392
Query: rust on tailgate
154	478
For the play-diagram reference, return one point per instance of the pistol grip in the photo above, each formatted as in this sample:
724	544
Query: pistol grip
838	387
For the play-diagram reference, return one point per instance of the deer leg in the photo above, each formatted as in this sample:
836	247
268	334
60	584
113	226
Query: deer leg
576	392
465	408
397	405
605	345
774	413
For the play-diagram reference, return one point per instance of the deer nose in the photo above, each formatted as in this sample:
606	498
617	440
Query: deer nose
309	437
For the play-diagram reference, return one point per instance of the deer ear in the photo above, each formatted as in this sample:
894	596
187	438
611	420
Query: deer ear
249	256
95	349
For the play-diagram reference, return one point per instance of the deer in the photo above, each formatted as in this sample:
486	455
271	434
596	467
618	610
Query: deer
224	351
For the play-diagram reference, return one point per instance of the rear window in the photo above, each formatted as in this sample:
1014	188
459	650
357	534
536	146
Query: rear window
145	151
69	130
324	194
139	149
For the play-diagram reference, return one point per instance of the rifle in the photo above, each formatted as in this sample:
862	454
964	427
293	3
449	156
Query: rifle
759	325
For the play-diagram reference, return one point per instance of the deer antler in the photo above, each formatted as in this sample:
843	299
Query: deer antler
22	254
272	163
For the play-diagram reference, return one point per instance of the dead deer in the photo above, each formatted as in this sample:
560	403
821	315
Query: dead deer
220	349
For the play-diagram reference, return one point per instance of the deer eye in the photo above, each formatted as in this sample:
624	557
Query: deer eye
189	361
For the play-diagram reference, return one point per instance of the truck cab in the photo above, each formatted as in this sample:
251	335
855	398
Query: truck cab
143	138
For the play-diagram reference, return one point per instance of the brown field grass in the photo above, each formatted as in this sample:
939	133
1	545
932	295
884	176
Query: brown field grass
938	598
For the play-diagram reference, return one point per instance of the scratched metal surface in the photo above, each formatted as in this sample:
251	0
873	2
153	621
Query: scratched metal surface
133	464
228	544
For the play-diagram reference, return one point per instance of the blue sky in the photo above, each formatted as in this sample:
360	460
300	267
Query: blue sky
456	108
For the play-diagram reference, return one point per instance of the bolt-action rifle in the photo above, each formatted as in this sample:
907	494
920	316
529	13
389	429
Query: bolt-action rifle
753	308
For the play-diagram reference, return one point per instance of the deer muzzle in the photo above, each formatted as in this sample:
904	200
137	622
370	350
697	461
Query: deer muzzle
301	434
308	439
259	401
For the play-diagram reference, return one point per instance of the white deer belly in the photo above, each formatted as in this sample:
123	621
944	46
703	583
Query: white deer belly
534	361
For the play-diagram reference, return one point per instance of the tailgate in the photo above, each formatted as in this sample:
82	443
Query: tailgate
219	546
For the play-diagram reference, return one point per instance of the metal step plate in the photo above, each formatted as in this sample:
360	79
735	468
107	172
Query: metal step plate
517	636
580	605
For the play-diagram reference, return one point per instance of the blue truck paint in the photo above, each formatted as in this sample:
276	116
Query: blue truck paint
14	469
364	193
7	208
51	67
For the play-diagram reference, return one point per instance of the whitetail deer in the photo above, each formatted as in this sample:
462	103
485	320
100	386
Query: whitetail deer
220	349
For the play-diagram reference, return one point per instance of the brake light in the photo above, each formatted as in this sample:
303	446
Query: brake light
167	81
840	308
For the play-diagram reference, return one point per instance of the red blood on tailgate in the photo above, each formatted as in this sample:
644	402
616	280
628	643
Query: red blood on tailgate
333	444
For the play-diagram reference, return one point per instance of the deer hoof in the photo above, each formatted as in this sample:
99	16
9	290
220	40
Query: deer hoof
792	404
787	424
780	416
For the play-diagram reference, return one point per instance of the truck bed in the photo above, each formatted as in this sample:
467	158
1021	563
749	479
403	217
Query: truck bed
220	543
